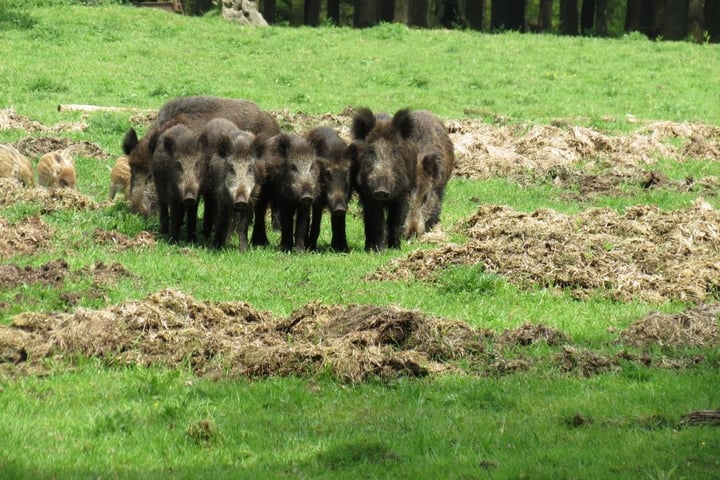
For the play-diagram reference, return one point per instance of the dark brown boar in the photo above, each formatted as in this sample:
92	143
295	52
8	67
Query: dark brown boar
237	173
386	160
193	112
175	168
292	186
335	184
435	163
215	131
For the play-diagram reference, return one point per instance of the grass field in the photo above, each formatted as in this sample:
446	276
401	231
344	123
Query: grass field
585	406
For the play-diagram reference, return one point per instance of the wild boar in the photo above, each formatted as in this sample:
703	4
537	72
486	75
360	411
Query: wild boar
386	160
336	187
292	185
237	173
174	167
14	164
57	170
194	112
120	178
435	163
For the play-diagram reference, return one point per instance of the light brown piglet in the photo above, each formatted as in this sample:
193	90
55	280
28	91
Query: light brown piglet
14	164
120	178
57	169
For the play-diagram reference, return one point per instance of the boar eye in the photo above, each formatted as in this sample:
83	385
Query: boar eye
231	169
178	166
293	168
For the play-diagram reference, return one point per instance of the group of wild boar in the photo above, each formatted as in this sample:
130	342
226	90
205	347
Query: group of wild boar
54	169
232	155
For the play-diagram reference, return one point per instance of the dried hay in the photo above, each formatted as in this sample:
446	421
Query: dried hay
485	151
24	237
121	242
353	343
50	199
695	327
36	146
172	329
644	254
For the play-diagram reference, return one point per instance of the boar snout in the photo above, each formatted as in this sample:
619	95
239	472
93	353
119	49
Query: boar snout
381	194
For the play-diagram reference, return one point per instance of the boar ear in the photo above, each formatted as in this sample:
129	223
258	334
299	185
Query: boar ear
169	144
431	164
203	140
403	122
130	141
152	142
259	145
318	143
224	146
362	124
282	144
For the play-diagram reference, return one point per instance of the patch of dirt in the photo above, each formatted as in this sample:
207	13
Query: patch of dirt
586	362
51	273
33	147
24	237
695	327
50	199
645	253
54	273
11	120
121	242
529	334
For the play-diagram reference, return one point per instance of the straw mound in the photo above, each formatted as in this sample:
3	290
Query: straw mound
645	253
24	237
172	329
696	327
353	343
50	199
485	151
121	242
33	147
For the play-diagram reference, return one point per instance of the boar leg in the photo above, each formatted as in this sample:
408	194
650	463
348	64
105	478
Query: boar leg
177	213
286	227
314	232
373	218
339	237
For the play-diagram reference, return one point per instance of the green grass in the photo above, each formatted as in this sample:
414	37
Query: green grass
95	421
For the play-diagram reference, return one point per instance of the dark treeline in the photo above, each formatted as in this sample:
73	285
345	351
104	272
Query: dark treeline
698	20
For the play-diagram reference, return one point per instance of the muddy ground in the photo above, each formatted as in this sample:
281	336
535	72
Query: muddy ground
644	253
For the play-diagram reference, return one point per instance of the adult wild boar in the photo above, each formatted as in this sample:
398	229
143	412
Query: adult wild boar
435	163
194	112
175	165
335	184
292	186
214	132
386	159
236	175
